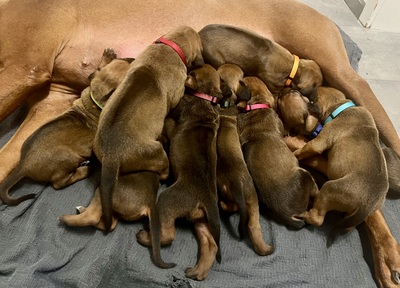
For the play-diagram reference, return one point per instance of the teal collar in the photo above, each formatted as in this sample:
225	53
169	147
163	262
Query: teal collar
339	110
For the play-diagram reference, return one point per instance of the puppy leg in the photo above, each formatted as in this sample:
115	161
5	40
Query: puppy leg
80	173
254	227
312	148
42	108
208	250
385	251
90	216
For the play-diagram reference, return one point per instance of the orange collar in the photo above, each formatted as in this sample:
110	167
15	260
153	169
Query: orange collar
294	70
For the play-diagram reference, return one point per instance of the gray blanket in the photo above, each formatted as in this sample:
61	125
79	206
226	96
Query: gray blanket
38	251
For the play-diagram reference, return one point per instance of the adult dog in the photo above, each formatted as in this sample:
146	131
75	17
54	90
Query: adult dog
47	55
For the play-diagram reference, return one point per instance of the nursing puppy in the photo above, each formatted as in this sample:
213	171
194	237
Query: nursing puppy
131	124
282	185
49	154
234	181
258	56
133	198
356	168
301	118
193	158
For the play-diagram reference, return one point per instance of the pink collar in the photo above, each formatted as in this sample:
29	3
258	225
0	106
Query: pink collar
256	106
212	99
173	46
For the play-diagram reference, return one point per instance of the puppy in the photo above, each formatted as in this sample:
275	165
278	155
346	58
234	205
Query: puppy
356	168
134	198
193	158
233	178
261	57
130	127
49	154
282	185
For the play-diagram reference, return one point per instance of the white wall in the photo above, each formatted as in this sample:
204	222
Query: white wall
387	17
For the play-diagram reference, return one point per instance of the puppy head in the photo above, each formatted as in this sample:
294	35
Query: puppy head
308	77
259	91
205	80
232	84
294	110
326	99
190	43
105	80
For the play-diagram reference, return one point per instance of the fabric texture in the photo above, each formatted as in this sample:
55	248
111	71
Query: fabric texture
36	250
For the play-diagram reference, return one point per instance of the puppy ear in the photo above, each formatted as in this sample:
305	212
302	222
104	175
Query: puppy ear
91	76
244	92
226	91
129	60
191	82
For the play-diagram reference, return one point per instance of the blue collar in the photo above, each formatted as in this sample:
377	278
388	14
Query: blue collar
339	110
317	130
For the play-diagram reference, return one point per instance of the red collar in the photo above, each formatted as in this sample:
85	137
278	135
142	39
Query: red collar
173	46
212	99
251	107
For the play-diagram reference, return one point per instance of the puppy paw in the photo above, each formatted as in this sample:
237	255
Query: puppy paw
143	238
109	53
264	249
311	217
196	273
387	266
80	209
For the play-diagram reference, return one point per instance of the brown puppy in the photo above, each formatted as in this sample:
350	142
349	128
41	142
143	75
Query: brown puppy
49	155
261	57
193	158
133	198
300	117
131	124
233	178
282	185
350	138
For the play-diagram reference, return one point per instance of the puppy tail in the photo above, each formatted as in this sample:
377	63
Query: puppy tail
243	213
109	176
214	224
155	229
16	175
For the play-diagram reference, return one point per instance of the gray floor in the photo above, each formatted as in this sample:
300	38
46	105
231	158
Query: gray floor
380	61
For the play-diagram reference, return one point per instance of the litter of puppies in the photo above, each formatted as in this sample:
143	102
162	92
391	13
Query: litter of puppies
178	113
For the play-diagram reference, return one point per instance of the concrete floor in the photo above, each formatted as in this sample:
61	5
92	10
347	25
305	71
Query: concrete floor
380	61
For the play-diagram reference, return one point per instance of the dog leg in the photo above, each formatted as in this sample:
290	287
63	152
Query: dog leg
313	148
208	250
254	227
385	251
42	108
90	216
80	173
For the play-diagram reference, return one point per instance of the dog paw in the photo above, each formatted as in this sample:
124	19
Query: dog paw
196	274
80	209
387	266
109	53
143	238
263	249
